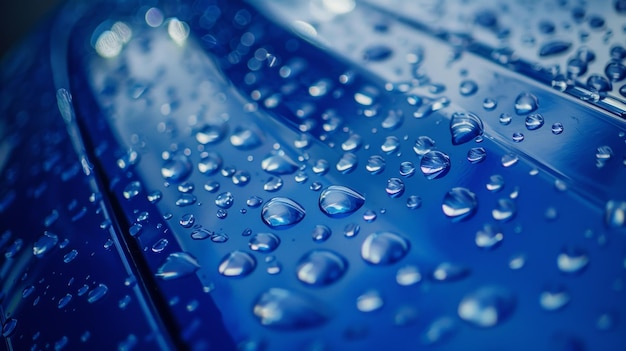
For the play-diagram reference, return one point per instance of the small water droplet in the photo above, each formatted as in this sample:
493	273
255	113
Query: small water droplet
423	145
97	293
278	164
187	220
321	267
487	306
504	211
414	202
340	201
465	127
9	327
210	163
518	137
534	121
176	169
225	200
408	275
615	71
615	214
459	204
281	212
509	160
273	184
254	201
384	248
553	48
70	256
490	104
286	310
347	163
375	164
353	143
505	119
369	301
131	190
525	103
476	155
351	230
377	53
320	167
448	272
407	169
320	233
435	164
468	88
557	128
177	265
64	301
245	139
264	242
439	330
395	187
599	84
211	133
390	145
154	196
45	244
572	260
554	298
160	245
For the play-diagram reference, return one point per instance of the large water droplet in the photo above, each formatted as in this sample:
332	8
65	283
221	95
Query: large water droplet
384	248
264	242
281	212
176	169
339	201
278	164
435	164
176	265
287	310
237	264
459	204
525	103
572	260
45	244
465	127
321	267
487	306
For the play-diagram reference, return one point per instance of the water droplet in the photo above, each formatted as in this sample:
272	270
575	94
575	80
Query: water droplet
351	230
187	220
45	244
70	256
572	260
518	137
615	71
264	242
448	272
408	275
273	184
28	291
476	155
245	139
9	327
384	248
465	127
210	163
459	204
64	301
369	216
395	187
615	214
177	265
211	133
390	145
435	164
423	145
557	128
352	143
440	330
287	310
377	53
554	298
212	186
321	267
185	200
320	167
504	211
392	121
160	245
97	293
525	103
414	202
347	163
278	164
315	186
509	160
131	190
598	83
505	119
468	88
489	237
301	177
375	164
154	196
534	121
576	67
407	169
321	233
369	301
281	212
555	47
429	108
225	200
176	169
340	201
254	201
221	213
490	104
487	306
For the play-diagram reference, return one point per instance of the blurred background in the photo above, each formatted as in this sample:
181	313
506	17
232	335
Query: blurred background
18	17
